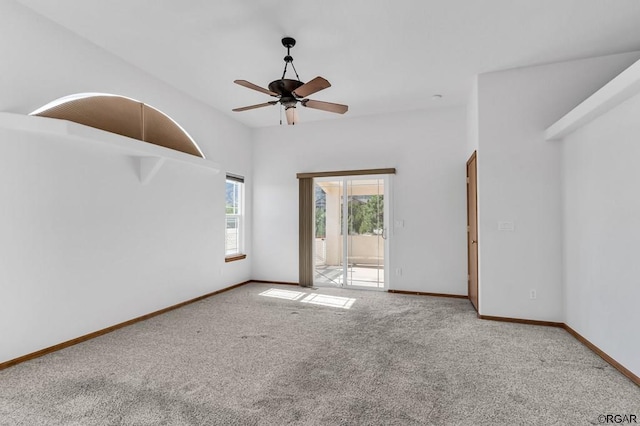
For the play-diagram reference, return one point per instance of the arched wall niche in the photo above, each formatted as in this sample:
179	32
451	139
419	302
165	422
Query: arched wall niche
123	116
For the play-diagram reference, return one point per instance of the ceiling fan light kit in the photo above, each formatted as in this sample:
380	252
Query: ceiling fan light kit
291	92
292	115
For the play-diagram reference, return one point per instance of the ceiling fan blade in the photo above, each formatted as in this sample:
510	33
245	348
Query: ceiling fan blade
311	87
248	85
254	106
325	106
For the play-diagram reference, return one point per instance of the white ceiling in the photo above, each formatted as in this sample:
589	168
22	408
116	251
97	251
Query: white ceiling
380	56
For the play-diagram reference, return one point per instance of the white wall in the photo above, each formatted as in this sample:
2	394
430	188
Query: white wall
427	148
601	232
83	244
520	181
473	117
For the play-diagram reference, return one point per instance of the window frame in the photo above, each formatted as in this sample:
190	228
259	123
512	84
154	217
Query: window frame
239	215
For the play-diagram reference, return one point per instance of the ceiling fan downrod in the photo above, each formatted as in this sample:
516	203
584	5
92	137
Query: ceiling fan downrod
289	42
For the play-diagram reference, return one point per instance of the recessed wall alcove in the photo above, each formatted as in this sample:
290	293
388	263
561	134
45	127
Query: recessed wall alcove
123	116
105	119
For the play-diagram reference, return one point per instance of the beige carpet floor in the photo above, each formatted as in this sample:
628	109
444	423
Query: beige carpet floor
273	355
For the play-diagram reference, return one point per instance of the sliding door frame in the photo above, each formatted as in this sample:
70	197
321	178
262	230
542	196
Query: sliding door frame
386	226
307	212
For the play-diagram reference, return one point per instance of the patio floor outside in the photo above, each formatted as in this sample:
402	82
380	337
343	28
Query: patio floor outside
357	275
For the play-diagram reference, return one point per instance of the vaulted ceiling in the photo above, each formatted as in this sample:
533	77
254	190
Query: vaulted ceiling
380	55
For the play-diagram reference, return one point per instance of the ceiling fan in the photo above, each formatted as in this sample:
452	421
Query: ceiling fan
289	92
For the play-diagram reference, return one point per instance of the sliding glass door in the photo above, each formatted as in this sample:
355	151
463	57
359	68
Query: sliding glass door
351	231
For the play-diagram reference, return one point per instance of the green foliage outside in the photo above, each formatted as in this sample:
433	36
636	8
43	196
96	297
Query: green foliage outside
321	223
366	216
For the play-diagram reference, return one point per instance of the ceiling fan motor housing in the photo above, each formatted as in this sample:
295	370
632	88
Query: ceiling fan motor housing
285	87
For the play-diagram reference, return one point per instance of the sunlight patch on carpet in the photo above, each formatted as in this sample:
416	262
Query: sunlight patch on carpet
313	299
332	301
282	294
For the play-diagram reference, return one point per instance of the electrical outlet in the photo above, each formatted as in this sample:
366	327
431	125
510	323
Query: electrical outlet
532	293
398	271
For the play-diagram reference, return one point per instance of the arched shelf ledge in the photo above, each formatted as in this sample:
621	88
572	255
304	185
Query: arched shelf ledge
149	157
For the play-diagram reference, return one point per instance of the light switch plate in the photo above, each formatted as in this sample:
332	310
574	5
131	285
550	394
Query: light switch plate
399	223
506	226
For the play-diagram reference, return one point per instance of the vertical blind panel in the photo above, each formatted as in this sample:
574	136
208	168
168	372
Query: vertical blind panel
305	248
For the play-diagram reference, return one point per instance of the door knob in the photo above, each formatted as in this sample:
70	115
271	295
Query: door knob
473	241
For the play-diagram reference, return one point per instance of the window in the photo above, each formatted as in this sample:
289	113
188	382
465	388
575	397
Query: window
234	228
